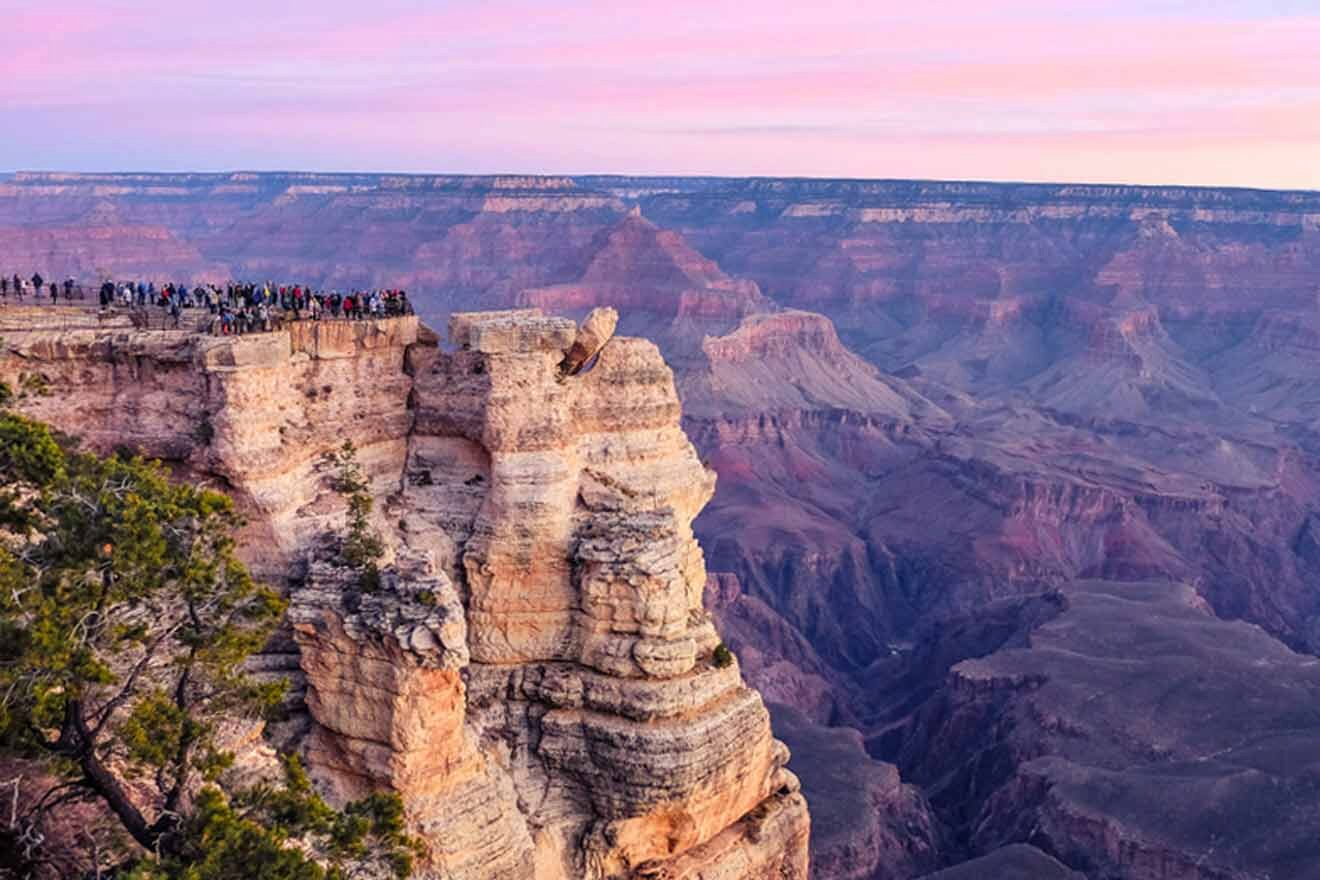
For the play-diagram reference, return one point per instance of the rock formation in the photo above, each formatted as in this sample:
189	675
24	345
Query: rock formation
253	414
929	404
595	331
534	673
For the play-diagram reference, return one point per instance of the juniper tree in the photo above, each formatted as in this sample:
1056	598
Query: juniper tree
125	621
361	547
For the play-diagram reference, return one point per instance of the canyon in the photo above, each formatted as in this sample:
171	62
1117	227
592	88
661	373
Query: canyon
1015	482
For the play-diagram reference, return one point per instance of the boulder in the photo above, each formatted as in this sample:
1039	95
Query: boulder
592	336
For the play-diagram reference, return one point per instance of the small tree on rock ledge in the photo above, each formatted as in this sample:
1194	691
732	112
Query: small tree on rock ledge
361	547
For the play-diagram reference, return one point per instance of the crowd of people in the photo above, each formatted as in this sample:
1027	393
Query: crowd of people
236	308
37	287
251	308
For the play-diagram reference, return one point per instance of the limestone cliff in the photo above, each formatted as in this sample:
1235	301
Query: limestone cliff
535	672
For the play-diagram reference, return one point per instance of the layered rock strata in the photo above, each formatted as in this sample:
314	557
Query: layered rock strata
254	414
535	672
570	533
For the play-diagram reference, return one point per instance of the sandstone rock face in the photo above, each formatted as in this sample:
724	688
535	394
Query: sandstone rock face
386	696
384	672
569	525
254	414
534	674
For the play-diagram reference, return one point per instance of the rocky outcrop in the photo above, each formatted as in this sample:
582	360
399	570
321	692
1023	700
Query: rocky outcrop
254	415
387	699
534	673
792	361
869	825
571	534
595	331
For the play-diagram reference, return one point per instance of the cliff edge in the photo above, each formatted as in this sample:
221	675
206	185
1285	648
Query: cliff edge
536	672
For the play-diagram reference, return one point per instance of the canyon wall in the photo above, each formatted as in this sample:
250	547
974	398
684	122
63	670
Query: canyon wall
536	672
933	408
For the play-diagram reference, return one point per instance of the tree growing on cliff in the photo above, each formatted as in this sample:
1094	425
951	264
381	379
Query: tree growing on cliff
125	621
250	835
361	546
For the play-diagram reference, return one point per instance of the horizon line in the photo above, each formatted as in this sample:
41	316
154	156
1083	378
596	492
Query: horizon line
617	175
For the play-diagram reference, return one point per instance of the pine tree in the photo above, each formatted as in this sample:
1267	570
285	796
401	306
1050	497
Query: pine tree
125	621
361	547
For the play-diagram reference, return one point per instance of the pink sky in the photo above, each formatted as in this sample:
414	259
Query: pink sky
1162	91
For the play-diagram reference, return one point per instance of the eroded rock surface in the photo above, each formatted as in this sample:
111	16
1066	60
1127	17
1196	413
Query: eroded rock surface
595	331
534	672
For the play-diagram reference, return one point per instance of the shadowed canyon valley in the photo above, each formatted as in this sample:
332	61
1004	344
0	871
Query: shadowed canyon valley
1009	500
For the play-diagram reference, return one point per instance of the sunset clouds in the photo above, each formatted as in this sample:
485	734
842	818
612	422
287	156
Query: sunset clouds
1210	92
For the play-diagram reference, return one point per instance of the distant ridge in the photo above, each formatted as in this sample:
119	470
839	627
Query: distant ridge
966	191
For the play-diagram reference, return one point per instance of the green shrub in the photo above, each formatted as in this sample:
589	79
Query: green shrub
362	546
33	384
253	834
